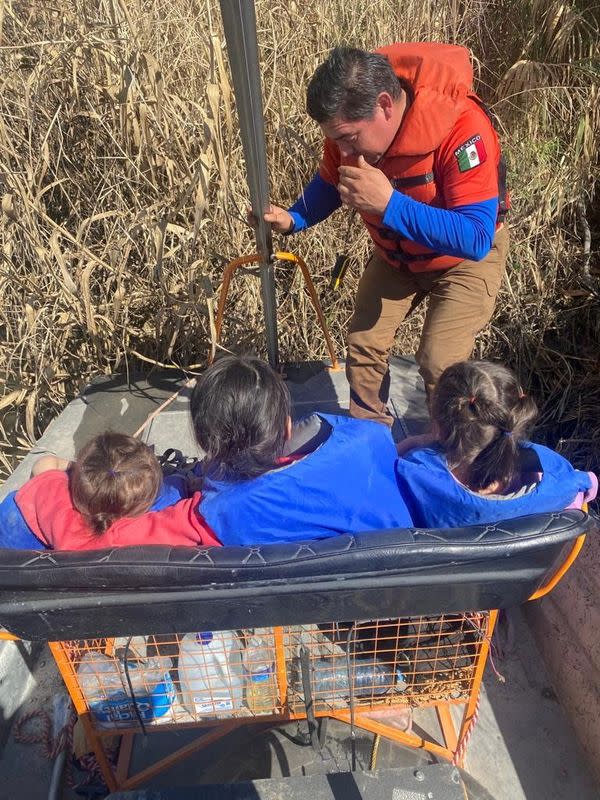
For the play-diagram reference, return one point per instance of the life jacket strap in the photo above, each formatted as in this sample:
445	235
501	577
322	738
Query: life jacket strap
414	180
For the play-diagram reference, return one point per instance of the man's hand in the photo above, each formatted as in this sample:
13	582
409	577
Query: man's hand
365	188
280	219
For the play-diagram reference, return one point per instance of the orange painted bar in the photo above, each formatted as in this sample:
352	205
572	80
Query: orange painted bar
227	275
283	256
560	572
447	726
100	753
183	752
280	669
468	717
408	739
254	258
69	676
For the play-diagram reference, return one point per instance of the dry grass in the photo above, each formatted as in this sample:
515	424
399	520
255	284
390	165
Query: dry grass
123	190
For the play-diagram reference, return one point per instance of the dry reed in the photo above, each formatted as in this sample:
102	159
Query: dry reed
123	191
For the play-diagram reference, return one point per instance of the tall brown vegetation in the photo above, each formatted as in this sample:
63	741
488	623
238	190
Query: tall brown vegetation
123	190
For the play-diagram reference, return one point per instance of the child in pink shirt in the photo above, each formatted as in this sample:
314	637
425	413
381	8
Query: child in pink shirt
104	499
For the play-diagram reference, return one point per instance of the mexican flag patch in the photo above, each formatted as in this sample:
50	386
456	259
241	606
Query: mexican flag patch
470	154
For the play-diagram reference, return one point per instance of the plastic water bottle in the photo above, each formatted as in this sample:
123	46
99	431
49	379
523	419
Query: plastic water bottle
104	684
211	672
258	658
330	680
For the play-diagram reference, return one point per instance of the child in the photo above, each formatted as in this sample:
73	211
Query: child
477	465
252	493
101	500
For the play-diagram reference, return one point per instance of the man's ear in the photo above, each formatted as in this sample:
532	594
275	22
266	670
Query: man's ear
288	429
386	103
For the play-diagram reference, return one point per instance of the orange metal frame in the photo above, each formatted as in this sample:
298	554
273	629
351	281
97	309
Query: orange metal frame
118	778
310	287
451	747
564	567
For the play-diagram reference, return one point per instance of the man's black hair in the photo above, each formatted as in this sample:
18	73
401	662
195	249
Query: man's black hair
240	408
348	83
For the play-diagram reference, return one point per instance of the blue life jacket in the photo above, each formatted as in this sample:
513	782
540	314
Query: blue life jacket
437	500
346	485
173	489
16	534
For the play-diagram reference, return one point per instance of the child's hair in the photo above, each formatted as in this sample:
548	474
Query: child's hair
114	476
240	408
481	415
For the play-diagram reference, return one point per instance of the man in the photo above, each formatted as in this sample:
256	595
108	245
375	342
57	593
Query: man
412	149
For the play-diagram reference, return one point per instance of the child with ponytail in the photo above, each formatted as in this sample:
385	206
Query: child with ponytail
477	465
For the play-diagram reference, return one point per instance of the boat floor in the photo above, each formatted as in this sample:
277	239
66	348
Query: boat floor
522	748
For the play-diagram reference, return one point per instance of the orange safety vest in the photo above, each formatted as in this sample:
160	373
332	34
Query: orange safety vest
438	78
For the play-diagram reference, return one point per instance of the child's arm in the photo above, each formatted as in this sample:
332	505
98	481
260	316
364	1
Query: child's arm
423	440
48	462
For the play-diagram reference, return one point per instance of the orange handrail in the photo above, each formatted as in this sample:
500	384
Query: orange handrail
284	256
560	572
564	567
254	258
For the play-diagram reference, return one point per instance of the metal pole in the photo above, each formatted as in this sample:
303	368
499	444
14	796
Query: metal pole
239	22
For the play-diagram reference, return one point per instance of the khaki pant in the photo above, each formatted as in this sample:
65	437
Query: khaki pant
461	303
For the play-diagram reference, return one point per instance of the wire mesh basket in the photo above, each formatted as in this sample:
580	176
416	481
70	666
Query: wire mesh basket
201	677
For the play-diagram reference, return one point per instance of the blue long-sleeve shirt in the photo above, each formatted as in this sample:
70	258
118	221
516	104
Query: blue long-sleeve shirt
464	232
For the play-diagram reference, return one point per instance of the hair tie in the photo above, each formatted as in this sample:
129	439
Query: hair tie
506	433
113	473
522	396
